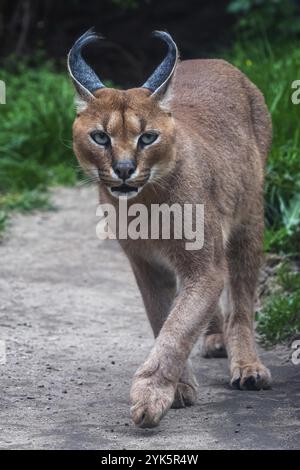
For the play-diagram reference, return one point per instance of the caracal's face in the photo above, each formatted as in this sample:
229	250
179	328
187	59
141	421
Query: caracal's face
125	139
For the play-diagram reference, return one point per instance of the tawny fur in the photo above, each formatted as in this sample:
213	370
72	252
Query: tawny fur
215	132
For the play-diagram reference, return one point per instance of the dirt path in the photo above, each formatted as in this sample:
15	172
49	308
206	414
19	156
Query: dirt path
75	332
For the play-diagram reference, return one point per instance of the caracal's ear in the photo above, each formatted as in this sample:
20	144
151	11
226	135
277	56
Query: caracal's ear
159	83
85	80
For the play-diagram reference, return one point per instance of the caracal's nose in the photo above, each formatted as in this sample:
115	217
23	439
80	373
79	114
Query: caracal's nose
124	168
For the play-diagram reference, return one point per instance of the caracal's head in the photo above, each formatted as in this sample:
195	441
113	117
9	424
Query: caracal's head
124	139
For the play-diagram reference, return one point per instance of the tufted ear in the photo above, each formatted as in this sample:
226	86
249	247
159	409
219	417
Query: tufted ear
84	78
87	82
159	82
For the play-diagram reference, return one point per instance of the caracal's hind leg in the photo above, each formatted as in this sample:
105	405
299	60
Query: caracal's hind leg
213	343
243	257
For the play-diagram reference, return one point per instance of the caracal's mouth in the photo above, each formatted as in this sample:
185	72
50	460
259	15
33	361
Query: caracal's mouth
124	190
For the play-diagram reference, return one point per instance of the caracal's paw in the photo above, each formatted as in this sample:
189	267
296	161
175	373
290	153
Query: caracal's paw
254	376
213	346
151	398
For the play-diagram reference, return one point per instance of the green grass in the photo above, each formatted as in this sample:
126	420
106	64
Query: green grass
279	318
35	137
273	70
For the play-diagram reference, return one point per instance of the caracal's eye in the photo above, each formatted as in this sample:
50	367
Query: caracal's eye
100	137
148	138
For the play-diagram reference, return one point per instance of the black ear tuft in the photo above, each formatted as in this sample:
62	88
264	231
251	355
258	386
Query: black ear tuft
159	80
85	79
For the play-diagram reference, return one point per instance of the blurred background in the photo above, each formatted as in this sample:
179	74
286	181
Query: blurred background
260	37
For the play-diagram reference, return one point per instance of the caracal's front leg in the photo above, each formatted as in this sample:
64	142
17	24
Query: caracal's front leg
158	286
154	385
